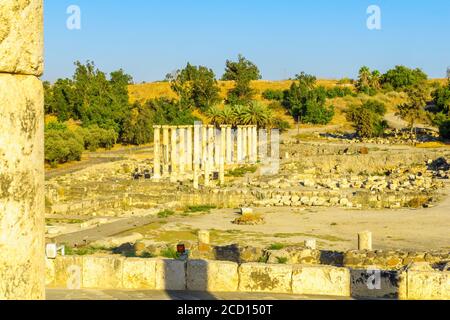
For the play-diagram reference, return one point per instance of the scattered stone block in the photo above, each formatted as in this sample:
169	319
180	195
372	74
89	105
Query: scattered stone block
213	276
258	277
170	274
321	280
102	272
139	273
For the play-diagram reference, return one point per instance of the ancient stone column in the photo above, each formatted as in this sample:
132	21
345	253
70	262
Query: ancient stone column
156	152
211	147
244	144
166	153
250	144
365	240
262	145
222	171
207	173
217	146
181	149
310	244
195	177
189	148
22	260
230	146
197	142
239	144
223	142
255	142
173	153
204	146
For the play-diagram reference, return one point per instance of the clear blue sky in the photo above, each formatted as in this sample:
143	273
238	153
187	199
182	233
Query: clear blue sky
328	38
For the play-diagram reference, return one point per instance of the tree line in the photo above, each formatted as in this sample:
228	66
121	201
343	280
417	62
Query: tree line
99	103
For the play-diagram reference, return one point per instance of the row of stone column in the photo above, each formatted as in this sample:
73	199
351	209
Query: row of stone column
181	149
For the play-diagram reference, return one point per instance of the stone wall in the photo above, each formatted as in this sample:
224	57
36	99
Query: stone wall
22	264
112	272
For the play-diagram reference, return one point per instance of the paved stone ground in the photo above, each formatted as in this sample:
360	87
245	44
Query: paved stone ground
64	294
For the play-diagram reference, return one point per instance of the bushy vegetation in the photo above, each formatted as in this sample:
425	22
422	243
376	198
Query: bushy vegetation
242	72
367	118
271	94
196	87
306	102
63	144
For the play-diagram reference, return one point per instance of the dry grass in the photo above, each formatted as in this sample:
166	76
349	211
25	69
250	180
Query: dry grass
431	145
145	91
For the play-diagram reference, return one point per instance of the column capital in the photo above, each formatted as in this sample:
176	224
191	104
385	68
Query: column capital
157	127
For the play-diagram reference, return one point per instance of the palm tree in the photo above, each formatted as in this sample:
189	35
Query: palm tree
238	114
228	115
257	114
215	115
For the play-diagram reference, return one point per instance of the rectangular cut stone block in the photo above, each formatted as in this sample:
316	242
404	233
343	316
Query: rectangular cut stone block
49	272
213	276
367	283
321	280
21	37
170	275
102	272
259	277
428	285
22	261
68	272
139	273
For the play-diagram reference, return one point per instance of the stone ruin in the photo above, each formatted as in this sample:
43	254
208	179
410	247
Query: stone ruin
22	261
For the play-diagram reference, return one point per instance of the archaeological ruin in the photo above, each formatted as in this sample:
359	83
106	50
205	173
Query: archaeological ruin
22	263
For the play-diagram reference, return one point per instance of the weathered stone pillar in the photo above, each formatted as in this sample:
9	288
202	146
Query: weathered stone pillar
230	146
195	177
181	148
262	145
204	146
156	152
22	260
250	144
244	144
197	151
166	154
365	240
211	147
255	143
222	171
173	149
239	144
189	148
207	173
217	146
223	142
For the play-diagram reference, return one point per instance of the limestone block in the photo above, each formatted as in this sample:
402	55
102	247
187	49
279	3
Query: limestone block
21	37
170	274
139	273
213	276
428	285
102	272
22	263
259	277
49	271
321	280
68	272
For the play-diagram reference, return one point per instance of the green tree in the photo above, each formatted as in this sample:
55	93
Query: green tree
242	73
303	100
367	118
413	110
368	81
401	78
196	87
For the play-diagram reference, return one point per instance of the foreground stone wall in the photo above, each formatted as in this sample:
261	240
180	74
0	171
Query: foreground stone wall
112	272
22	264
